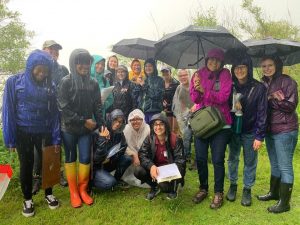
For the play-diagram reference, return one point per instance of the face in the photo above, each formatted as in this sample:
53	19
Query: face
112	62
136	67
166	74
159	128
83	69
136	123
54	52
40	73
213	64
183	77
121	74
268	67
241	72
99	67
117	123
149	68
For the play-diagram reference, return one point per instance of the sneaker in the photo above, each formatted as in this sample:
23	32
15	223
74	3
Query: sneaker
122	184
172	195
153	193
36	184
52	201
28	208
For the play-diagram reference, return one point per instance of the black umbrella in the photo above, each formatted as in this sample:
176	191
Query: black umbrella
135	48
187	47
287	50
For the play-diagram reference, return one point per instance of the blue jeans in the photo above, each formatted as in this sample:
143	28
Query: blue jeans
84	147
250	158
217	143
187	139
281	148
102	177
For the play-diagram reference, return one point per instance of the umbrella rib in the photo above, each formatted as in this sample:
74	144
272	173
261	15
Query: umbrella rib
182	53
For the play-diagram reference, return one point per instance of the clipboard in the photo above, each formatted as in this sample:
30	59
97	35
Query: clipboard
50	166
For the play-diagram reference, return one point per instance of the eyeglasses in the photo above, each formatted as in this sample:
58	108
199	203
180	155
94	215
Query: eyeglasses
136	120
158	124
242	67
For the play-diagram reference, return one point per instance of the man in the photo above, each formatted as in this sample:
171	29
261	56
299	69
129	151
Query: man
58	72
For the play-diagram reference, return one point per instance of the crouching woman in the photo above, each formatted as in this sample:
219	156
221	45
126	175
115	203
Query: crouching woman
161	148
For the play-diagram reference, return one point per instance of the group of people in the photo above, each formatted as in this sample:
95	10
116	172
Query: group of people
146	117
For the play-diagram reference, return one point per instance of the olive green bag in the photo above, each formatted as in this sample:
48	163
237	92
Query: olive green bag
206	121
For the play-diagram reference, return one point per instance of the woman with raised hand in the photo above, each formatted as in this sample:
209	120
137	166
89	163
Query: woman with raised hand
282	132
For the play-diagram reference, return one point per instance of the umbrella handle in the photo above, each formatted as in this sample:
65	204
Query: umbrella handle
196	62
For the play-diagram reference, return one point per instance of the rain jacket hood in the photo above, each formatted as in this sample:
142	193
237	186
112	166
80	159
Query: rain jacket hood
153	63
162	118
242	59
114	115
278	65
96	59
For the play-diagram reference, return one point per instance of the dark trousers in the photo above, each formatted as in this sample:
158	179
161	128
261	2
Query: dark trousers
217	144
144	176
102	177
26	142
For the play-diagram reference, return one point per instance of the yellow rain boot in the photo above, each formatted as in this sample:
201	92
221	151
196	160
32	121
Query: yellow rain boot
70	170
83	181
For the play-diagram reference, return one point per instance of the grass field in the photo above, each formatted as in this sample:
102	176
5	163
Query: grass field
130	207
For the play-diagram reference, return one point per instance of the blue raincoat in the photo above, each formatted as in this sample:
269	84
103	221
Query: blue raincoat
28	105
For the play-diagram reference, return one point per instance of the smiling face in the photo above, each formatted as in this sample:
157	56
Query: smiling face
121	74
136	123
113	62
83	69
117	123
40	73
183	77
268	67
159	128
53	51
241	72
136	67
213	64
149	68
99	67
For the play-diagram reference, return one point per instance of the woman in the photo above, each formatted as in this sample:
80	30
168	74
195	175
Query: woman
136	71
253	105
123	92
135	133
150	91
170	88
103	166
79	101
112	64
282	132
31	120
211	86
162	148
98	72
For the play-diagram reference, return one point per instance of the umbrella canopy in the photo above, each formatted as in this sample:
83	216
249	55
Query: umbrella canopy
287	50
135	48
185	48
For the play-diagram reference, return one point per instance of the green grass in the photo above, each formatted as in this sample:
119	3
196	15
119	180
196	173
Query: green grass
130	207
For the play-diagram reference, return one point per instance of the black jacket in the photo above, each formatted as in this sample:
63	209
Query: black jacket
168	96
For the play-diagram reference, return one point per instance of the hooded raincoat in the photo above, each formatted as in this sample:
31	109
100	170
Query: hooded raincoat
30	106
79	99
103	82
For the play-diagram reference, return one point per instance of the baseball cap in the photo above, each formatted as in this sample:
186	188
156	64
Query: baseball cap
51	43
165	68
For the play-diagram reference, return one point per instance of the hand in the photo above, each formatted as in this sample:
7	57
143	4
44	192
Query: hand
153	172
199	88
278	95
140	81
165	103
136	160
104	133
238	106
193	108
256	145
90	124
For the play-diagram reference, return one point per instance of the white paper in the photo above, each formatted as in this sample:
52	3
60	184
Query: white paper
105	93
167	173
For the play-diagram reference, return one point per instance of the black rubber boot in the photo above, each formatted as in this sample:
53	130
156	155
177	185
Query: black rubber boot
231	194
283	205
273	194
246	198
